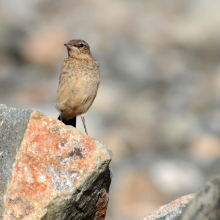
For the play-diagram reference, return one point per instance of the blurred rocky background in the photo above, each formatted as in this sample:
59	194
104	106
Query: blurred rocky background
158	105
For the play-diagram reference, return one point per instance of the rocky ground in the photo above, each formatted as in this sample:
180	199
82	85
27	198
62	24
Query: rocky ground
158	106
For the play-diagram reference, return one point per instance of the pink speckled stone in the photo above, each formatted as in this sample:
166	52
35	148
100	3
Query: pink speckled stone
173	207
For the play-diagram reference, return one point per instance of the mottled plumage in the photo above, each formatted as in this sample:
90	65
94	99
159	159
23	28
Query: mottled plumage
78	83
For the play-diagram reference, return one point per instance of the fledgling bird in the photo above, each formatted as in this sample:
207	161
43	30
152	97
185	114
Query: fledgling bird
78	83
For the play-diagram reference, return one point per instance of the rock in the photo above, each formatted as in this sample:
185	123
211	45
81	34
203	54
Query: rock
169	211
206	204
49	170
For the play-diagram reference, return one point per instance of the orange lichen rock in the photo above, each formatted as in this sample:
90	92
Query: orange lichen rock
57	172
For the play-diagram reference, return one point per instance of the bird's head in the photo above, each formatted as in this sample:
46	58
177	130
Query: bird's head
77	48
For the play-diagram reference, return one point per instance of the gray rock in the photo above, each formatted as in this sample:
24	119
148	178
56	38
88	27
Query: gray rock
13	124
206	204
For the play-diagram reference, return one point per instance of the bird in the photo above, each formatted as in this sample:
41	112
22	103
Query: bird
78	83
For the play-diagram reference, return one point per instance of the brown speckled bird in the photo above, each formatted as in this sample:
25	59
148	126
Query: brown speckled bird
78	83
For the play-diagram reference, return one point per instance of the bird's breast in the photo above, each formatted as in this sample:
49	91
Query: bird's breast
79	81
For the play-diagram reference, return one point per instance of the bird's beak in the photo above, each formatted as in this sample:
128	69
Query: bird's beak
67	45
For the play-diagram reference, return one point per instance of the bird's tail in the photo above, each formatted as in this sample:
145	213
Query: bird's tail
71	122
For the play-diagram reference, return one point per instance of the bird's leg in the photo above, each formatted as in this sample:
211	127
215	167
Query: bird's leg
84	123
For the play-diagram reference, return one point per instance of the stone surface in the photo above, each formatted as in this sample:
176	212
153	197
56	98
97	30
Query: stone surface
13	124
171	210
49	170
206	204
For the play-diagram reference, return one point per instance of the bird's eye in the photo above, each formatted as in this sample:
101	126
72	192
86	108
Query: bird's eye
81	45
